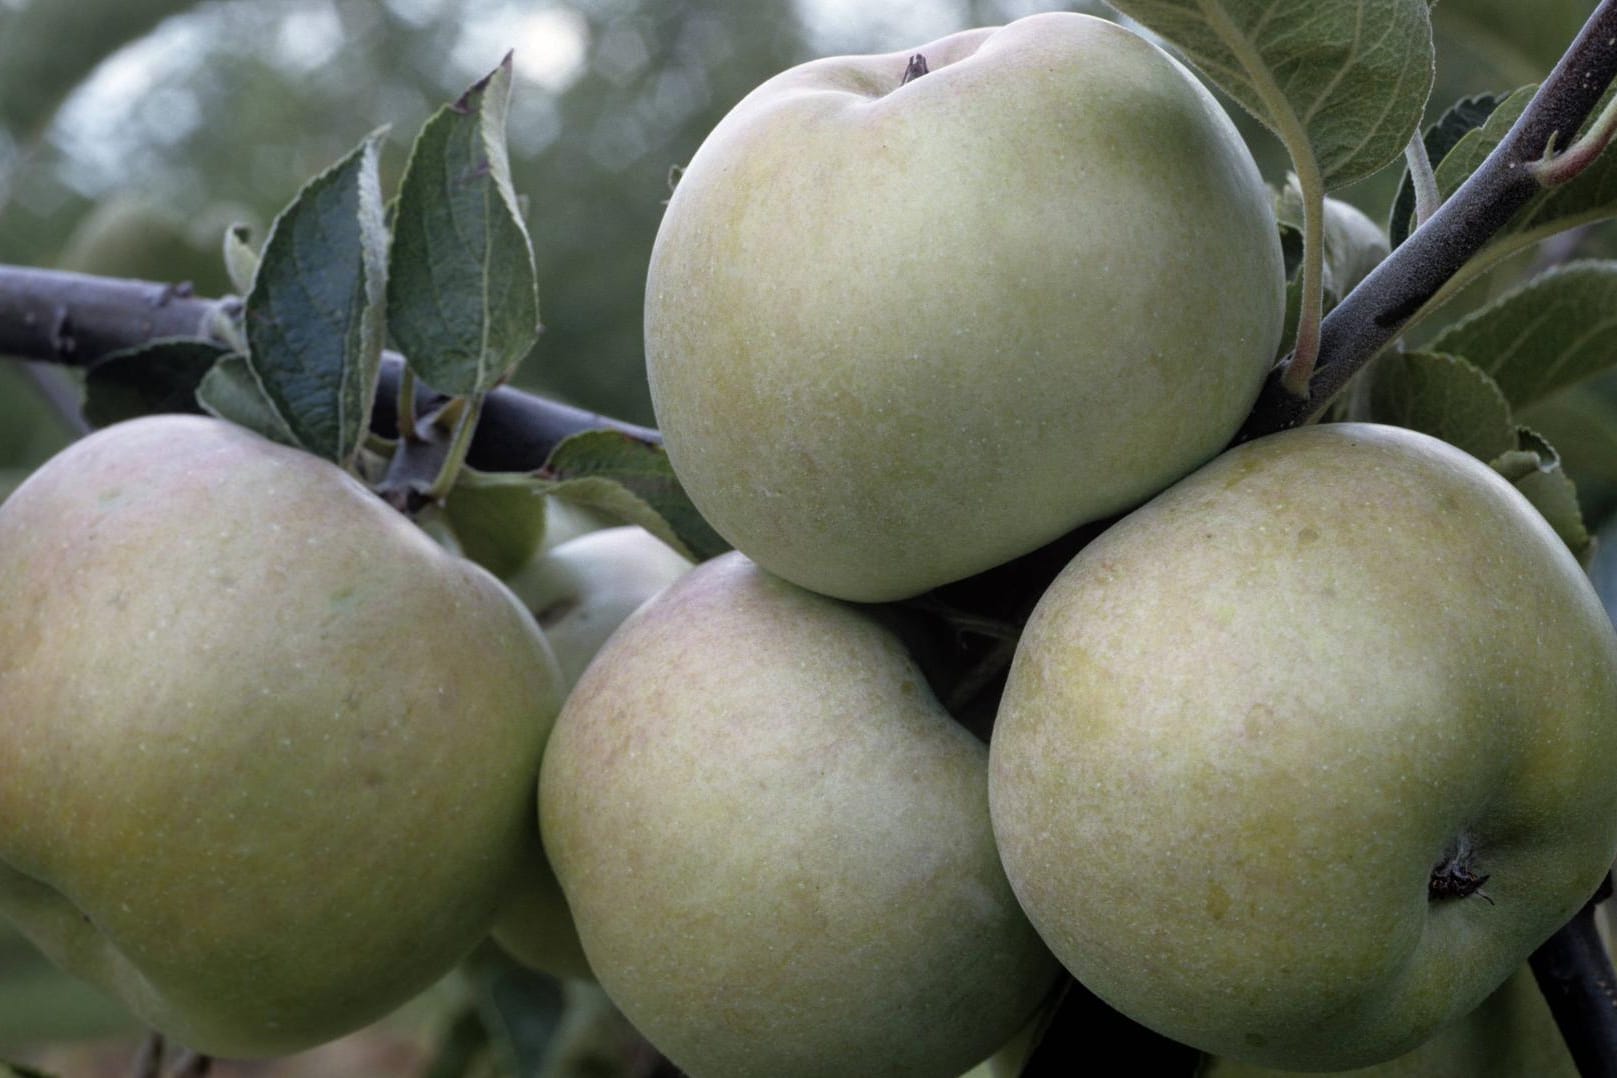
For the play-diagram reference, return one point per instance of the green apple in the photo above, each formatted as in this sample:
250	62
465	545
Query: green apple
776	842
579	592
269	751
1299	762
898	333
1512	1035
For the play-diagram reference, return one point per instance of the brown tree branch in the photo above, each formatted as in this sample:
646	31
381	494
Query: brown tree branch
1375	312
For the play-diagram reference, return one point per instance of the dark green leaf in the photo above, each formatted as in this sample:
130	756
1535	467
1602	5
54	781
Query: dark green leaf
498	518
1556	330
1581	423
634	482
521	1009
463	292
315	313
1350	77
1535	469
231	391
158	376
1591	197
1440	138
1444	396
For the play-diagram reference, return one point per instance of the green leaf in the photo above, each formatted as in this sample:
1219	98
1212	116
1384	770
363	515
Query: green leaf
1535	469
498	518
1592	196
1557	329
315	313
1444	396
463	291
231	391
1344	81
1464	115
633	482
160	375
1581	423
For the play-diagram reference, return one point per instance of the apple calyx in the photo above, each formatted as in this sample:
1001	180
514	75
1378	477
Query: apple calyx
914	69
1456	876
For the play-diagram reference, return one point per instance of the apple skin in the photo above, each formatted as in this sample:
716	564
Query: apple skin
579	592
1245	724
1512	1035
898	335
776	843
270	752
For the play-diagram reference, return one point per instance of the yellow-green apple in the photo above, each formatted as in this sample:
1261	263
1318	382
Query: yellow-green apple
1299	762
901	329
269	751
776	843
1512	1035
579	592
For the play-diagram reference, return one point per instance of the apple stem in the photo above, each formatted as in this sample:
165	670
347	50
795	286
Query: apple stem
914	69
1422	178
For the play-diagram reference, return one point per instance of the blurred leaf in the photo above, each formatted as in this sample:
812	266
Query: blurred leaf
633	482
1603	566
1556	330
231	391
1535	468
1444	396
241	261
315	313
498	518
159	376
18	1070
50	46
520	1007
463	290
462	1048
1350	76
1440	138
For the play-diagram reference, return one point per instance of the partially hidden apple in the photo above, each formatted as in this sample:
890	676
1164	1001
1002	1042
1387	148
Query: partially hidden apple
270	752
1299	762
1512	1035
579	592
902	328
776	842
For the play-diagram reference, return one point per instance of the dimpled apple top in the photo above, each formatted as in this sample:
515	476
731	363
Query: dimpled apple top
899	334
1245	726
269	752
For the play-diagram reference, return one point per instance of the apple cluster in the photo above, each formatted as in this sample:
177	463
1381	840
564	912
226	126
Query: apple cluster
1295	763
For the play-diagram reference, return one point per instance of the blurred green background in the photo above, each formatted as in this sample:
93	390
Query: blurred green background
132	132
